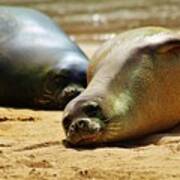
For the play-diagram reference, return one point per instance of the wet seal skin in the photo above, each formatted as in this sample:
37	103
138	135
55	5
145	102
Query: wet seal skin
133	89
40	66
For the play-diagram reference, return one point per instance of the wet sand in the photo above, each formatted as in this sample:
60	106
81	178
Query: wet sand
31	148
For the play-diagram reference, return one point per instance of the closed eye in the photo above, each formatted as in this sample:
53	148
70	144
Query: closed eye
66	122
91	109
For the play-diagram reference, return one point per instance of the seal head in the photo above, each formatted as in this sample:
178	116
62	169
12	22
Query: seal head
87	127
64	82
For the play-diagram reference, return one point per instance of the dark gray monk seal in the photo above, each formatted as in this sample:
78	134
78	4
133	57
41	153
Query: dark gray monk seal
39	65
133	90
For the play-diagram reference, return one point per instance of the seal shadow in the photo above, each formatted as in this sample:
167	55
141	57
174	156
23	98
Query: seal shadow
168	136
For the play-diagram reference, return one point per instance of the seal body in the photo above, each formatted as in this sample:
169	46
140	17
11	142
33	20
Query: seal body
39	65
133	89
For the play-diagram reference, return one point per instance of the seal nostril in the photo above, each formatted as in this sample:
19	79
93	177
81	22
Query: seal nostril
82	124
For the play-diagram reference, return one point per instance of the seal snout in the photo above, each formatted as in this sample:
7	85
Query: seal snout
83	129
84	125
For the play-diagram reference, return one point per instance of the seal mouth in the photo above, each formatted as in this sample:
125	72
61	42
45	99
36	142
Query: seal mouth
83	140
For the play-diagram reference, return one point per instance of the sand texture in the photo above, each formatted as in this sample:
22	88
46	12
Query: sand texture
31	145
31	148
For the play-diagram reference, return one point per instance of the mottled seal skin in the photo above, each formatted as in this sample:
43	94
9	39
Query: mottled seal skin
133	89
40	66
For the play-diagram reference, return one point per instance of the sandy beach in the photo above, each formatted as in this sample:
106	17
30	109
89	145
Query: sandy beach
31	148
31	142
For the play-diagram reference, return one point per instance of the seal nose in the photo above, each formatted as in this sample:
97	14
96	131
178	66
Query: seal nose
79	126
84	126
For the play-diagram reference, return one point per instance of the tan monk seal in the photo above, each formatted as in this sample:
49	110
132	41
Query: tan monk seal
133	89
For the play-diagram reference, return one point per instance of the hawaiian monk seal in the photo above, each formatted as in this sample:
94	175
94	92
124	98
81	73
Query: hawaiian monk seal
39	65
133	89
